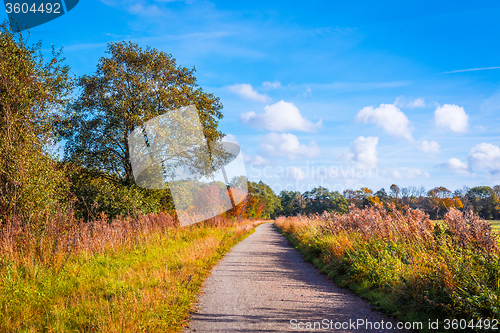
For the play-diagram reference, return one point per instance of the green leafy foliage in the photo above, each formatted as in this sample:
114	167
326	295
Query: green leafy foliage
263	203
33	95
96	195
320	200
292	203
484	201
316	201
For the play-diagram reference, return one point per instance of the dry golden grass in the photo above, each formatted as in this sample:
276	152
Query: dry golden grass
124	275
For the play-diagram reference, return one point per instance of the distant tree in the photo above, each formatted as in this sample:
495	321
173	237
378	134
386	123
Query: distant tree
395	190
292	203
354	197
484	201
382	195
420	191
405	193
440	200
439	192
408	197
261	202
368	198
320	199
496	189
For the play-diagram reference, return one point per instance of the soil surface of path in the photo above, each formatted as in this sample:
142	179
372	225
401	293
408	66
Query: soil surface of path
264	285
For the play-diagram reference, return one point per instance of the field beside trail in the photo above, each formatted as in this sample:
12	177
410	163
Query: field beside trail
128	275
407	265
496	225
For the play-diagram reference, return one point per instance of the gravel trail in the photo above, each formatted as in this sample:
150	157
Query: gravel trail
264	283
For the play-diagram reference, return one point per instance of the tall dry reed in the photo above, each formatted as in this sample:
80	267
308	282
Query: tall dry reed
403	260
409	225
51	241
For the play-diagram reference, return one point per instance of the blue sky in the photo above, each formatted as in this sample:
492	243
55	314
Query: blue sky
339	94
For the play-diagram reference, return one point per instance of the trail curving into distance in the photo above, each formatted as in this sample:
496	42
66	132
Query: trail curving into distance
264	282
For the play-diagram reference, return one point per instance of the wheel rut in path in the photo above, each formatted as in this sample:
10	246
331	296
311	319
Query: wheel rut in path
264	283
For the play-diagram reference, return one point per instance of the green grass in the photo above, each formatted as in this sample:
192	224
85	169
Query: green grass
146	287
496	225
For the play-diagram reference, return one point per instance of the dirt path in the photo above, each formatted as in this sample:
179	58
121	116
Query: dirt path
264	283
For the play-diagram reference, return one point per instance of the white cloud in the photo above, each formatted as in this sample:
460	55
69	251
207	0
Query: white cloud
140	7
405	173
456	166
272	85
431	148
416	103
390	118
362	152
230	138
452	116
470	70
400	102
144	10
287	145
255	160
485	156
246	91
296	173
281	117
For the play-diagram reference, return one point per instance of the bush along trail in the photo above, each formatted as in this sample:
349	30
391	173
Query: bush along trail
127	275
407	265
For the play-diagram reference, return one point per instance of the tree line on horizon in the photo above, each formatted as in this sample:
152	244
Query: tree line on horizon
482	200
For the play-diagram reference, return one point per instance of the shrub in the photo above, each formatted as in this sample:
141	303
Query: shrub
96	195
33	94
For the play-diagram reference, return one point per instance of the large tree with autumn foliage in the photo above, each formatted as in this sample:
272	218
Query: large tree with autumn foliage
130	86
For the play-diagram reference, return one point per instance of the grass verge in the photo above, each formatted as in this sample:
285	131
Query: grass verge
146	286
406	266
